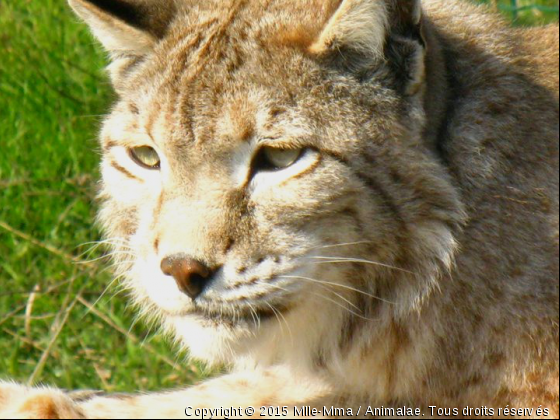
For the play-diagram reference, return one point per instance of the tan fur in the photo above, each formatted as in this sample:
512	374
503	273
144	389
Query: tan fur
115	35
409	257
359	22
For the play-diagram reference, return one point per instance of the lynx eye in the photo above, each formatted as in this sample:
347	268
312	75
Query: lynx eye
274	159
146	157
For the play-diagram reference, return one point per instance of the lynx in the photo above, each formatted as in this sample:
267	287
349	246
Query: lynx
348	203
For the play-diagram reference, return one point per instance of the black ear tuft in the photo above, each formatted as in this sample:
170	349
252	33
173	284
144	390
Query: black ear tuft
406	18
122	10
406	60
405	46
145	15
127	26
128	29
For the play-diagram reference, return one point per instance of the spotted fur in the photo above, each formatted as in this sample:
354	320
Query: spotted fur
409	257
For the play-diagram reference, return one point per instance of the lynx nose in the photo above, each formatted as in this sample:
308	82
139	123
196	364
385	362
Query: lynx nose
191	275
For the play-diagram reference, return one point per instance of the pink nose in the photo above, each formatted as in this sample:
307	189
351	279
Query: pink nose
190	275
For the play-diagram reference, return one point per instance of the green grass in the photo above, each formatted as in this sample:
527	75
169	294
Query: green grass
52	94
527	12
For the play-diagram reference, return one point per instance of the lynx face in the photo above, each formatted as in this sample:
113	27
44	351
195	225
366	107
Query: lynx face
263	175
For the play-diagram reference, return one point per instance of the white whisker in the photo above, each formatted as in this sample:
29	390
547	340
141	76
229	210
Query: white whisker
343	286
338	295
255	317
279	314
116	242
107	256
109	286
344	307
333	260
341	245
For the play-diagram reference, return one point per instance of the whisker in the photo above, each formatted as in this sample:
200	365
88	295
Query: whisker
109	286
343	286
135	321
112	241
107	256
342	244
340	296
276	315
147	336
333	260
279	314
118	264
322	287
255	317
287	326
345	308
121	289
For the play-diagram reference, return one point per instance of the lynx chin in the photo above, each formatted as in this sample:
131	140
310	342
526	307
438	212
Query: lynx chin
347	202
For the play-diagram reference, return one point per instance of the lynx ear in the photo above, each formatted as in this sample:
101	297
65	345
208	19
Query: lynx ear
366	32
357	24
126	27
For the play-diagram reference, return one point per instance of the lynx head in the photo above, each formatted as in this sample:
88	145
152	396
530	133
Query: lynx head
264	171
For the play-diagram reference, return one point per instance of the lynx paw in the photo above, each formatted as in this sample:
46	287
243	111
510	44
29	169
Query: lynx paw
18	402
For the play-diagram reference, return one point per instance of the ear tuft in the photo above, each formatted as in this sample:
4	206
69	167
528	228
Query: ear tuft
126	27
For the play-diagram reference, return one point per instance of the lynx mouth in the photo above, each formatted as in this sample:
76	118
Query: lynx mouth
245	316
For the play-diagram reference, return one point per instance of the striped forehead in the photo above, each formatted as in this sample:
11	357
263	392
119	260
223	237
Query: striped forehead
235	117
214	81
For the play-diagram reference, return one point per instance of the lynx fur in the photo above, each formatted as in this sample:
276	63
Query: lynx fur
407	256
